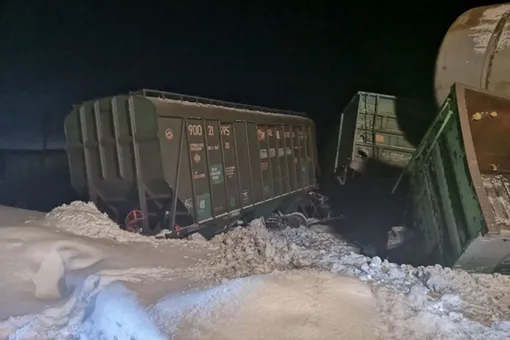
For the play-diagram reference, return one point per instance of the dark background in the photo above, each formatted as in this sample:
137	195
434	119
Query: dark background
303	55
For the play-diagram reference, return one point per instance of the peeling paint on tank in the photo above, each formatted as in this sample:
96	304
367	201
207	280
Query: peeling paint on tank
504	39
482	33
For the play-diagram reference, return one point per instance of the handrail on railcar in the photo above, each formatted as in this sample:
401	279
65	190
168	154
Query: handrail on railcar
208	101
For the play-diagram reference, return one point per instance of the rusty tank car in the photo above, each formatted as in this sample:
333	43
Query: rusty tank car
476	52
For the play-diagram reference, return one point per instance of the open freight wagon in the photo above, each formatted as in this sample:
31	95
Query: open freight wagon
460	183
186	163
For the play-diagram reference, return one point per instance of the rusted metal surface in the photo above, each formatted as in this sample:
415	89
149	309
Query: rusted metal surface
489	122
476	51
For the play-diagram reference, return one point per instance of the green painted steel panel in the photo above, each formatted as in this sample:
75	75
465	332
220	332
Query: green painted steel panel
461	205
383	128
187	163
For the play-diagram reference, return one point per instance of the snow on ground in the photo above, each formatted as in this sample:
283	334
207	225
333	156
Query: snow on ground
43	265
460	305
15	216
251	283
290	305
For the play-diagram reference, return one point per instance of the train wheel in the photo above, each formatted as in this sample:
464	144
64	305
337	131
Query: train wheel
297	219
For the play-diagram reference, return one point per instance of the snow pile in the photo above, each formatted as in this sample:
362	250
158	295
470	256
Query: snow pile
85	219
409	299
436	302
255	250
317	237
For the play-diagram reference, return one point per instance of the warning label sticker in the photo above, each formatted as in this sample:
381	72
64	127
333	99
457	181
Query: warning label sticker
216	174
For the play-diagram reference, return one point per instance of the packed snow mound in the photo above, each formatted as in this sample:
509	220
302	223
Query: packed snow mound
462	304
85	219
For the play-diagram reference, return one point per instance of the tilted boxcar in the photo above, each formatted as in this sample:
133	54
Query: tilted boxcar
460	183
380	128
186	163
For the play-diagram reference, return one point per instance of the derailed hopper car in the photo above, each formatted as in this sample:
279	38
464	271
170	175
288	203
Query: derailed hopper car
460	182
378	129
186	163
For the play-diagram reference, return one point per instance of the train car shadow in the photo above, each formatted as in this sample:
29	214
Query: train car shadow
368	208
365	201
414	117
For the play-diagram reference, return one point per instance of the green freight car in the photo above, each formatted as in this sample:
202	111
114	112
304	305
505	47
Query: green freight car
378	129
460	183
376	134
187	164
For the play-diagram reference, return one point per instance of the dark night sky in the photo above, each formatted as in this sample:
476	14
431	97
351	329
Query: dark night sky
303	55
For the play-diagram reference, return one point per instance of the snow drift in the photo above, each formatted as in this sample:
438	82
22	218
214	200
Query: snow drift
293	306
252	283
